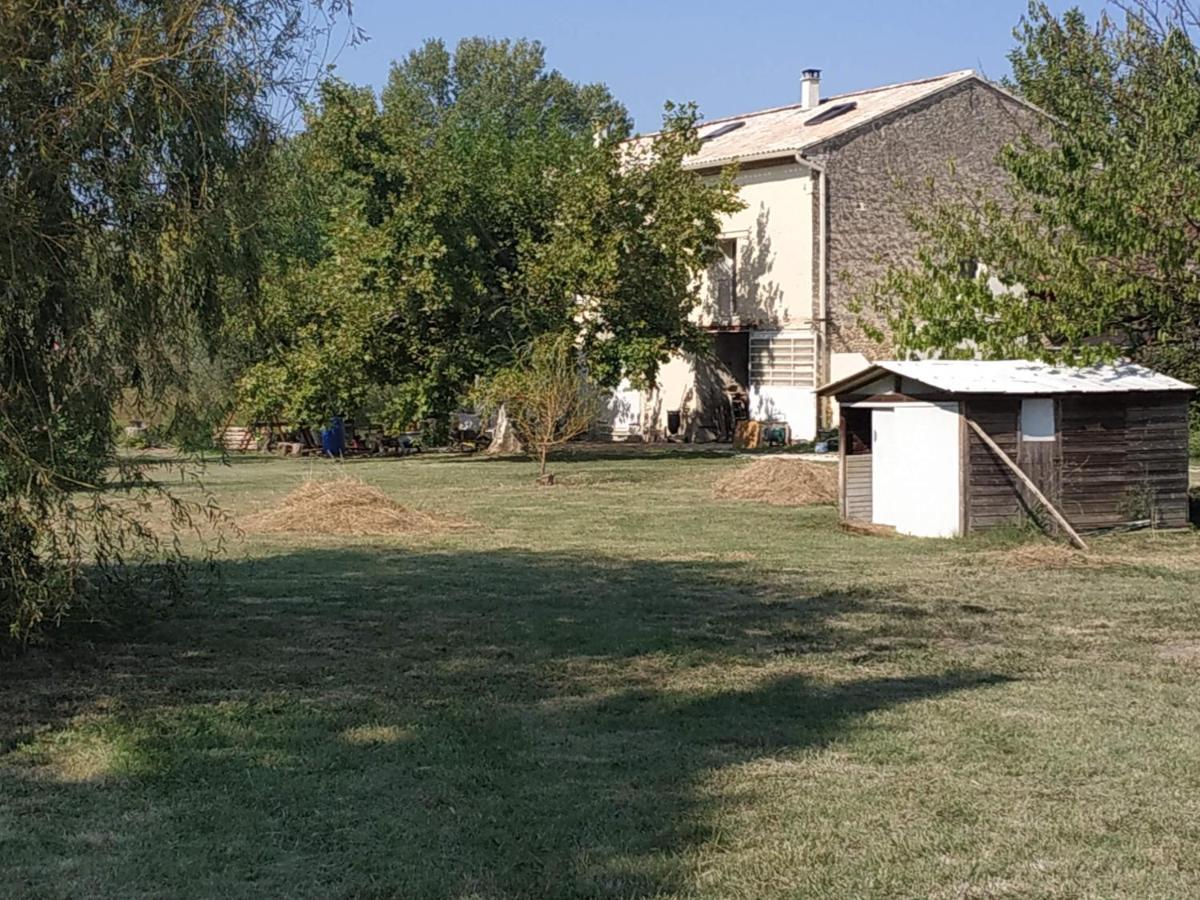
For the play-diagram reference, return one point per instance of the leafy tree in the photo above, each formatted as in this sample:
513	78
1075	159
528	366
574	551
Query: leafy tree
546	394
131	133
463	215
1093	251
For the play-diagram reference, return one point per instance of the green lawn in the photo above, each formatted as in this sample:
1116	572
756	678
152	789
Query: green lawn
617	688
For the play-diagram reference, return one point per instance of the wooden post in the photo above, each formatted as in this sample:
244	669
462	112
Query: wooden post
1028	482
841	464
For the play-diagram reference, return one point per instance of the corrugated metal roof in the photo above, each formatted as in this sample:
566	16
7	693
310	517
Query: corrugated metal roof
1016	376
782	130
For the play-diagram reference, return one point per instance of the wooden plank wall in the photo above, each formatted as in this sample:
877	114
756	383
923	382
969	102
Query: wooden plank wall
1120	458
1095	476
993	494
1157	432
858	487
237	438
1042	461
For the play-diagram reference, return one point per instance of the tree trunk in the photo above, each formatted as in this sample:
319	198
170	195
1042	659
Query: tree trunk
504	438
544	478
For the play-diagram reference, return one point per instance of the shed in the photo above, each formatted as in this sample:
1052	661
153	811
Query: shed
930	447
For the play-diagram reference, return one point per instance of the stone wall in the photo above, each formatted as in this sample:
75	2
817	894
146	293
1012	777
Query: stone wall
877	172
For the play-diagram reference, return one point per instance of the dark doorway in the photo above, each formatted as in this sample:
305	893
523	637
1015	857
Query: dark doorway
723	386
732	352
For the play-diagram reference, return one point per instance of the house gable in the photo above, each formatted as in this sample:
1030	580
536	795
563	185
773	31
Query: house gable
943	146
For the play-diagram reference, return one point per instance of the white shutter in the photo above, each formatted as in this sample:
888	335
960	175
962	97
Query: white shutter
787	359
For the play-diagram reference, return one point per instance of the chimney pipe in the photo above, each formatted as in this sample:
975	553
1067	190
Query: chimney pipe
810	88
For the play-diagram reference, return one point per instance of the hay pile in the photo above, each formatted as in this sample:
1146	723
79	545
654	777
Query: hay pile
345	506
782	482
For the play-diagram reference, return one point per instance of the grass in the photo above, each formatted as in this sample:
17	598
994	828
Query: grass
617	688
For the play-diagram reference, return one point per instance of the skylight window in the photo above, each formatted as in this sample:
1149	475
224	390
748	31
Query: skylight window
721	130
831	113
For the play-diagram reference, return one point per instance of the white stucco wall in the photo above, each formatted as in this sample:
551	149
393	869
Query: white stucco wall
621	415
843	365
774	232
675	390
794	405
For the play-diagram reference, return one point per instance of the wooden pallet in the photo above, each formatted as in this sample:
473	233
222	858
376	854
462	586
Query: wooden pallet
238	439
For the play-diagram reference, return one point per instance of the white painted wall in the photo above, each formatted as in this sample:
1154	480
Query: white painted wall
915	468
622	413
843	365
774	291
794	405
676	390
774	232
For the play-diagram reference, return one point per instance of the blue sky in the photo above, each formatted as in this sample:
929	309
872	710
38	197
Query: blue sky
729	57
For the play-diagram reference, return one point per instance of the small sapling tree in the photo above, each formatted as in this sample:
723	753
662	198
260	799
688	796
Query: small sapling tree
546	396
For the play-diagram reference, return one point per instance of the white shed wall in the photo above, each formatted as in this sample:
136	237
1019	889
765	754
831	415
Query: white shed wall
915	468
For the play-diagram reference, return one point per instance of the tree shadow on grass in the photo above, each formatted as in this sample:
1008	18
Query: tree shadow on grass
422	724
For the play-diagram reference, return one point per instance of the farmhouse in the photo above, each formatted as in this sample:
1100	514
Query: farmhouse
942	448
826	185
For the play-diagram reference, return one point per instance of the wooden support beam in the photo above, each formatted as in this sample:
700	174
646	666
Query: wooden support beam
841	465
1028	482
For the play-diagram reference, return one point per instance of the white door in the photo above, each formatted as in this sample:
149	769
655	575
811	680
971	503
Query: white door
886	474
926	438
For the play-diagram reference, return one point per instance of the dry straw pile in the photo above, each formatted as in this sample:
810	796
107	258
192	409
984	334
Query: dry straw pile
783	482
345	506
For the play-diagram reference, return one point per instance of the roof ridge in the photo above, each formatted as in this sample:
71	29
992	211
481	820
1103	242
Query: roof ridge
958	73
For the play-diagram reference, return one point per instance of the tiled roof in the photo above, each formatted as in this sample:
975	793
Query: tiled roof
772	132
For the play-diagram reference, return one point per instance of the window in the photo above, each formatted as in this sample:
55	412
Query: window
1037	420
721	130
782	360
831	112
724	278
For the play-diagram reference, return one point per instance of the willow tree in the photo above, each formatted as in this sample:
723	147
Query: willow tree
1093	251
131	133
